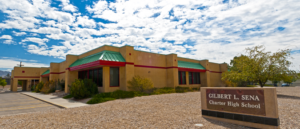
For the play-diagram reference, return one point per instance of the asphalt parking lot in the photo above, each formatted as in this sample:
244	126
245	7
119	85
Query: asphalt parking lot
16	103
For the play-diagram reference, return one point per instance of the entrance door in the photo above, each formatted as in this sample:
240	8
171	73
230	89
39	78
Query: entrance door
24	85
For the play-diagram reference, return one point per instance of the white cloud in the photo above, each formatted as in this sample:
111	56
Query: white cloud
215	31
67	6
8	42
85	22
19	33
39	41
6	37
9	63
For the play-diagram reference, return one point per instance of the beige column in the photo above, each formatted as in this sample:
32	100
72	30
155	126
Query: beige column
28	84
187	78
70	77
128	75
208	84
172	77
105	78
172	71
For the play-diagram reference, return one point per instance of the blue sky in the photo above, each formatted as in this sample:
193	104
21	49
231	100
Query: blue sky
38	32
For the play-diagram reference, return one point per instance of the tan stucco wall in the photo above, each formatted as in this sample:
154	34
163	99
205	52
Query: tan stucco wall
158	76
30	73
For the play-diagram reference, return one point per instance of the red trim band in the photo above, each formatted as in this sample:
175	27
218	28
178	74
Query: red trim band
26	77
111	63
191	70
116	63
57	72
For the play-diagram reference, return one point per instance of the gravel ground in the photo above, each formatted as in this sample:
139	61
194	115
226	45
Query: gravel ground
178	110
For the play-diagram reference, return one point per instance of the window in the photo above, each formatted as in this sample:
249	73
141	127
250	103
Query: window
114	76
194	77
100	82
181	77
94	74
90	74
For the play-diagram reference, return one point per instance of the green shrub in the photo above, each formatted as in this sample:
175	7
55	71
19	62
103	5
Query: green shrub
195	89
140	84
122	94
251	86
33	87
38	87
137	93
103	97
68	96
164	90
48	87
83	88
90	86
95	100
78	90
179	89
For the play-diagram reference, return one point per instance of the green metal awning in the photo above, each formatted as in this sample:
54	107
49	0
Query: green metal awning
184	64
104	55
47	72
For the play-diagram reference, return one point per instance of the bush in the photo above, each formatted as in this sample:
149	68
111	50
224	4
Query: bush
164	90
137	93
251	86
230	84
195	89
179	89
103	97
68	96
38	87
83	88
90	86
99	100
122	94
59	84
48	87
140	84
33	87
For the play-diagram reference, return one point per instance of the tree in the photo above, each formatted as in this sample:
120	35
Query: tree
260	66
2	82
7	75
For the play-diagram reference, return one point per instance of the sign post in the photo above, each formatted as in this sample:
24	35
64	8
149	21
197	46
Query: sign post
253	107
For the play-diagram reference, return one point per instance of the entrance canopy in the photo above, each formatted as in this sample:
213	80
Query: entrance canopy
189	66
46	73
110	58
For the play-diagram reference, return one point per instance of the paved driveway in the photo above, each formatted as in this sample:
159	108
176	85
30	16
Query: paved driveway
16	103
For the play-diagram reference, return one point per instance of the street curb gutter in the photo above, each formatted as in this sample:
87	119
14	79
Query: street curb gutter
46	101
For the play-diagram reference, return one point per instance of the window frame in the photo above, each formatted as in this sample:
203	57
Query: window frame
87	72
118	77
180	76
192	77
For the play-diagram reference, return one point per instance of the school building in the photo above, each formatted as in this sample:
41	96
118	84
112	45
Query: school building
111	67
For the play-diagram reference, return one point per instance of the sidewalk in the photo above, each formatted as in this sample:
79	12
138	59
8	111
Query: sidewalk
65	103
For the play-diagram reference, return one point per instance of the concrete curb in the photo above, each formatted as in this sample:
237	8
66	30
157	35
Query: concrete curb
60	106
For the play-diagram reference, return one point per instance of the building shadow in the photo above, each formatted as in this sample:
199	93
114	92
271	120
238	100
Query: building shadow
287	96
227	125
